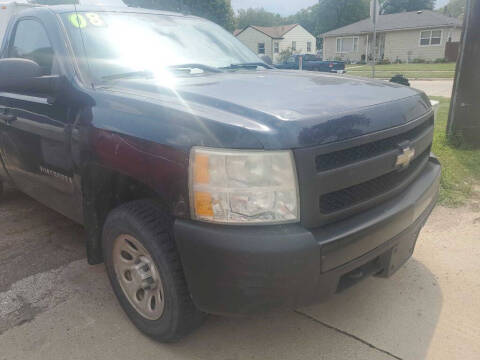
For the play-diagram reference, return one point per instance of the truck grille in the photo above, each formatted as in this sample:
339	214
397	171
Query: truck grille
361	173
358	153
359	193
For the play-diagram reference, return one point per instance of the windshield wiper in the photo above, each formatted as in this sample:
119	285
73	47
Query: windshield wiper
203	67
132	74
247	65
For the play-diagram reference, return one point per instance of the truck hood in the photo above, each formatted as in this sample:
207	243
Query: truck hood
287	109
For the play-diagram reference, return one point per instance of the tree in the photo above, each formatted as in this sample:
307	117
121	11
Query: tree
331	14
396	6
258	17
455	8
338	13
218	11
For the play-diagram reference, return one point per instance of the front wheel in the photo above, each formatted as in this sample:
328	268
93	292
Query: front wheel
145	271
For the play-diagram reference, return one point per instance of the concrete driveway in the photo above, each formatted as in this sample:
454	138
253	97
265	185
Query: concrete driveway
54	306
434	87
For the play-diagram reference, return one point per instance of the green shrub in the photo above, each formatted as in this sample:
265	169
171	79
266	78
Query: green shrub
284	55
440	60
419	61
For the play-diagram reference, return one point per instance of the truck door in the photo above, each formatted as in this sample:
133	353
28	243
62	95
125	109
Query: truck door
35	129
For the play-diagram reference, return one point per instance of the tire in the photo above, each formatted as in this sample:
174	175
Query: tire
166	313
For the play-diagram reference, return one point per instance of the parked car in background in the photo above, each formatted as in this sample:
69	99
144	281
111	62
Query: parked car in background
312	63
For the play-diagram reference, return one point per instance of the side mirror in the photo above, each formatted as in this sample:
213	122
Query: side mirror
25	76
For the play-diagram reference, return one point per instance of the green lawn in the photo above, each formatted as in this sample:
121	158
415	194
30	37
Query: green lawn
461	165
411	71
407	67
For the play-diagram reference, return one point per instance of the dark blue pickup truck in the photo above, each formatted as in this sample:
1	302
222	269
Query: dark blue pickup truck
312	63
206	180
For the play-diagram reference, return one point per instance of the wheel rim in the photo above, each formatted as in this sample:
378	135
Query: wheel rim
138	277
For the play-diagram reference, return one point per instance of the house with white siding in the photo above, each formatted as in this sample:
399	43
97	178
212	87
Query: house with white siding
271	40
403	36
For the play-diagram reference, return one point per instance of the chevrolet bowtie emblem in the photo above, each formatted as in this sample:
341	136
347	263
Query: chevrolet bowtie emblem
404	159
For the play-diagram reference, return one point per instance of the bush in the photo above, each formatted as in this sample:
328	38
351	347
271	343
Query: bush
284	55
440	60
419	61
398	61
384	62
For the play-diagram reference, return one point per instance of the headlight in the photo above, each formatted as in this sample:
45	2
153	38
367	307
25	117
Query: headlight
243	186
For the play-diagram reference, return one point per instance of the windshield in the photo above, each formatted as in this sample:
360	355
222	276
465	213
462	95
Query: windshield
134	43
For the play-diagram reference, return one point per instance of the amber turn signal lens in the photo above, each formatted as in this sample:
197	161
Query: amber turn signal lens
203	203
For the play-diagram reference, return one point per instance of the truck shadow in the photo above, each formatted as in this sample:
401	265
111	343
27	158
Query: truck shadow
376	318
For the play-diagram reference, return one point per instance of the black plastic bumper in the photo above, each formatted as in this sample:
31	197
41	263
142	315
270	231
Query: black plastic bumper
247	269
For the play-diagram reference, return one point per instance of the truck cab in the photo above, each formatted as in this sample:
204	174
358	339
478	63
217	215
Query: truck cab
207	181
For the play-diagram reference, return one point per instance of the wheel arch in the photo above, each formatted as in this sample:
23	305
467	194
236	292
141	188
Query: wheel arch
103	190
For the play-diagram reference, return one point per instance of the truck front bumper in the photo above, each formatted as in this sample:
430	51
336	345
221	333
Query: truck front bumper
248	269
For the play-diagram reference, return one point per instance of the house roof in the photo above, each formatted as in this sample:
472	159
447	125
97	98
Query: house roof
275	32
399	21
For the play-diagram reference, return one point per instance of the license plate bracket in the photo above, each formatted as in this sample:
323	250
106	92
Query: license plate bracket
394	258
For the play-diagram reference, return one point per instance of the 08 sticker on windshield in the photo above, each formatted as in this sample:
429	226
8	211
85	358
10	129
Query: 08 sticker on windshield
83	20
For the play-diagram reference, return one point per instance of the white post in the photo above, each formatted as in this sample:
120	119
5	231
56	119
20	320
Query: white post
366	49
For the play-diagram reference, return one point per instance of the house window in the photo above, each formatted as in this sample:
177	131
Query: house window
261	48
276	47
294	45
309	46
347	44
430	37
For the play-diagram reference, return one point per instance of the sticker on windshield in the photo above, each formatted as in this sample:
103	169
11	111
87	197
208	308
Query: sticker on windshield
94	19
77	20
81	21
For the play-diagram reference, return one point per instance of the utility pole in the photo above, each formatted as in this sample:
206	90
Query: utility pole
464	122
